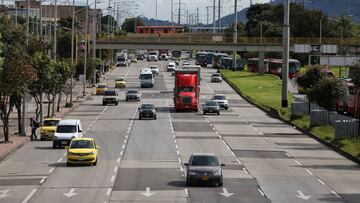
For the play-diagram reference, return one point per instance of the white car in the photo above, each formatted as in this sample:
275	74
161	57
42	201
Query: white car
66	131
154	69
186	63
171	67
221	100
110	97
216	77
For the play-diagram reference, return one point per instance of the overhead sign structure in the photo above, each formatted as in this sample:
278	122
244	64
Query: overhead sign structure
338	60
316	48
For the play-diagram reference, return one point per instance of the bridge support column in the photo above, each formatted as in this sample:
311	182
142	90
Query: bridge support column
261	64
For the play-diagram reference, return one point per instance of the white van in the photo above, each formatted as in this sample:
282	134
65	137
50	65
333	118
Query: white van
146	78
66	131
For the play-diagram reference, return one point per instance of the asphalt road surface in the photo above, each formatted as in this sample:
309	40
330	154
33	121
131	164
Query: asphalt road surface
142	160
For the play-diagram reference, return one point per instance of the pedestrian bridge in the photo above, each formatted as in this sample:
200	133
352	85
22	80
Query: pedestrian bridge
211	42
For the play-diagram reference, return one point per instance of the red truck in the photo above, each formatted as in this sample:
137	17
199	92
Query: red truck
187	90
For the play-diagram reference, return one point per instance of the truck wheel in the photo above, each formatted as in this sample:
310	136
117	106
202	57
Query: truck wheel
226	108
218	113
140	118
196	110
116	103
103	103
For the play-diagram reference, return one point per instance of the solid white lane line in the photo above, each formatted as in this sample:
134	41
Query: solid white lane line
29	196
320	181
112	179
42	180
125	141
261	192
121	153
116	169
51	170
108	192
298	162
336	194
118	160
128	132
309	171
239	161
176	146
287	154
123	147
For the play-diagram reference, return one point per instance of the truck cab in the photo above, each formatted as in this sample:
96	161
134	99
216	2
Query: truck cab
186	90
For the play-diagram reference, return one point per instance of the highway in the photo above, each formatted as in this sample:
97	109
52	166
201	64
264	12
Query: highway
142	160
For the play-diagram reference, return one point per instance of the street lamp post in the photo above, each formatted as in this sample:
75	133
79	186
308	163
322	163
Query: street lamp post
72	50
55	30
86	46
285	64
235	33
94	39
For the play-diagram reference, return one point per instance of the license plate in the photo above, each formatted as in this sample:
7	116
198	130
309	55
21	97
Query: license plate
63	142
147	114
81	159
205	178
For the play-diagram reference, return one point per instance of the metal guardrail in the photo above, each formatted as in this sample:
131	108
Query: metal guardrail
207	38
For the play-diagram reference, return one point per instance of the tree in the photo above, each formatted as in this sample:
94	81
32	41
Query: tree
354	74
63	72
311	77
67	23
129	24
16	71
327	92
64	38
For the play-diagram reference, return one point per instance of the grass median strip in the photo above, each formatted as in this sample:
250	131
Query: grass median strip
265	91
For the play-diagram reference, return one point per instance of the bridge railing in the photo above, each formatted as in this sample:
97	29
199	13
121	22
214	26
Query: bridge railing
211	39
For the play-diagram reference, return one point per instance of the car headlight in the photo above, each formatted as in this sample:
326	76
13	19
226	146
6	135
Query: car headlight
91	153
217	173
192	173
153	110
70	153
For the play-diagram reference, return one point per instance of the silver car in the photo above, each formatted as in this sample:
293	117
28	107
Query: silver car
204	168
211	107
216	77
132	95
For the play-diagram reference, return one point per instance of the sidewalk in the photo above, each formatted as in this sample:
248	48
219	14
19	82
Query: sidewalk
17	141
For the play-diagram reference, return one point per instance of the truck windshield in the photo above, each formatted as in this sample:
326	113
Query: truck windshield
146	76
121	59
110	93
66	129
186	89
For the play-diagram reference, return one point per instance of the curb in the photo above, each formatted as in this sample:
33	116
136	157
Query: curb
302	130
2	157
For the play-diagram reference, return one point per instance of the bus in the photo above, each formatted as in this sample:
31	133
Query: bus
209	58
201	59
216	60
274	66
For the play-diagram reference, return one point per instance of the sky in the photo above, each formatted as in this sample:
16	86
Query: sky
147	8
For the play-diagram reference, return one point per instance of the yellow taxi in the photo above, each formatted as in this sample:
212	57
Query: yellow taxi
101	88
82	151
48	128
120	82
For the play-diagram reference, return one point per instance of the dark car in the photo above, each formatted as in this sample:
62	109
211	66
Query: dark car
211	107
132	95
147	111
140	57
204	168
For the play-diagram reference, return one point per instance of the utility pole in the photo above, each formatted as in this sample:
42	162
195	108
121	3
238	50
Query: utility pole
219	23
55	29
94	40
197	16
23	119
41	30
86	45
172	12
235	33
179	14
214	7
207	15
156	11
285	65
72	50
109	15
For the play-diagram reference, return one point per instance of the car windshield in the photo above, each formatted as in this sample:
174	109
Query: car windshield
147	106
216	75
186	89
153	67
66	129
51	122
120	79
101	86
132	92
110	93
146	76
204	161
171	65
219	98
211	103
82	144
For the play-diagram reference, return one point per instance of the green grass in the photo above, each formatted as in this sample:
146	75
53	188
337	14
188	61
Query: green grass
265	91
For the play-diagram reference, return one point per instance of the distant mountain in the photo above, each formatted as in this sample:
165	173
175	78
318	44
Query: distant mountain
332	8
153	22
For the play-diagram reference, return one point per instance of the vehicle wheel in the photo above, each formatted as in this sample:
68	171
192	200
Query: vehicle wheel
140	118
126	99
68	164
104	104
94	164
218	113
154	117
220	184
117	103
226	108
54	146
196	110
188	182
204	113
